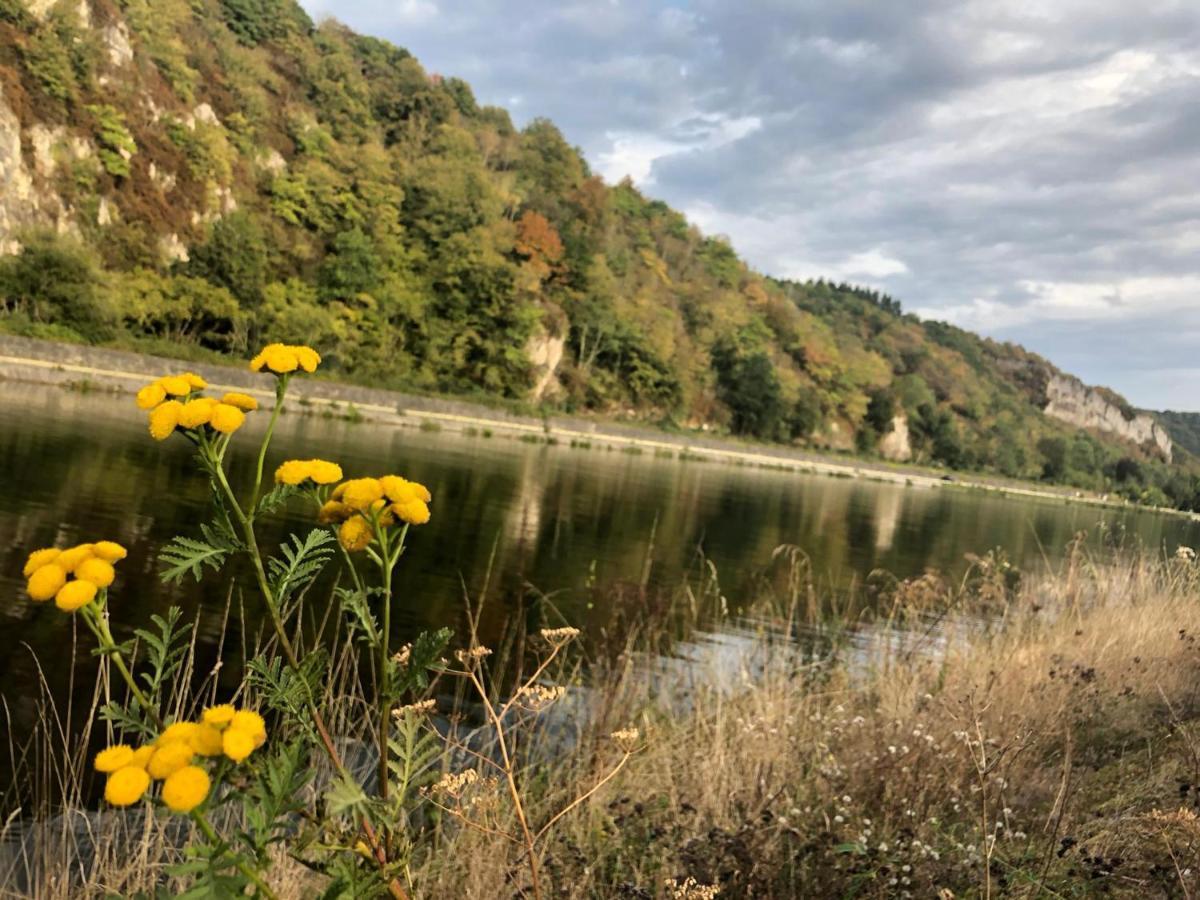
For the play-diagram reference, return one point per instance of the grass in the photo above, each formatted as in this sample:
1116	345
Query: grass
1000	736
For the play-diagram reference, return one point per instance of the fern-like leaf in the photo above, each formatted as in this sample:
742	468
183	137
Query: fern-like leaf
185	555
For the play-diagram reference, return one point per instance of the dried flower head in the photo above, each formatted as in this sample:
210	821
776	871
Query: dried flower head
560	635
1185	554
626	738
419	708
473	655
403	655
538	696
452	785
691	889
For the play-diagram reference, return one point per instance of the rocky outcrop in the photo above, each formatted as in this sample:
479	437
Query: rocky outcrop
19	204
545	351
896	445
1070	400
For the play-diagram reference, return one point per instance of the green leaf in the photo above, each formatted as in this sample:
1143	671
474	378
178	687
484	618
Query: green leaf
275	498
185	555
302	562
346	797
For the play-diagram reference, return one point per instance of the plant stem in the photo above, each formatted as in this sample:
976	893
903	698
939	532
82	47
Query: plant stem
215	840
387	564
95	620
511	779
280	391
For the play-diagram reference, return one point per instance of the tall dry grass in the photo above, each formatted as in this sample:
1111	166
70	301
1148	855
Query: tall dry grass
991	737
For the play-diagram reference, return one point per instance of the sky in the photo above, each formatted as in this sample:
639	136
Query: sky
1028	169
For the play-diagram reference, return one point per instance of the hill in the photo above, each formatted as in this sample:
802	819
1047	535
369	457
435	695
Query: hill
196	176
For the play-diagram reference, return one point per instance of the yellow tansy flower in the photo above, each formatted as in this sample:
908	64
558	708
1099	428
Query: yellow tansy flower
164	418
206	740
175	385
186	788
70	559
251	722
197	383
324	472
97	571
170	758
334	511
413	511
241	401
39	558
109	551
355	534
75	594
308	358
294	471
46	582
176	731
277	358
400	490
360	493
115	757
219	716
237	743
126	786
141	756
197	412
150	396
227	419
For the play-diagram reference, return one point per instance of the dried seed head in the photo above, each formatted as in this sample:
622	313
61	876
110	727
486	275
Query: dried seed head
403	655
537	696
626	738
691	889
451	785
560	635
473	655
419	708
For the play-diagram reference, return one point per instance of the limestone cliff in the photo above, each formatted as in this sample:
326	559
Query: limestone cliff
1070	400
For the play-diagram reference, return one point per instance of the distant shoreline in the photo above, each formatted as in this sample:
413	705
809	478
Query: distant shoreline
75	367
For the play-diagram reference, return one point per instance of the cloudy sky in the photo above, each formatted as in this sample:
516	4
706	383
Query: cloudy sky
1029	169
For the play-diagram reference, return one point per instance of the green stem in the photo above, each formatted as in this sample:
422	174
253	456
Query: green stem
95	620
385	682
216	841
280	391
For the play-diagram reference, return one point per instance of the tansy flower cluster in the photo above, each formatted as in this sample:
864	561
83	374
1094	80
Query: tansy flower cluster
361	505
73	576
174	402
283	359
173	758
318	471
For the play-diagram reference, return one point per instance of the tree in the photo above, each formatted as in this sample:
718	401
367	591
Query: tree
54	280
748	386
234	257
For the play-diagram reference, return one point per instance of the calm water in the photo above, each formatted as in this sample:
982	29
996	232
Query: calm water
549	519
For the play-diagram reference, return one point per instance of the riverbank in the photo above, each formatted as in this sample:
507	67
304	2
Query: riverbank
981	739
81	367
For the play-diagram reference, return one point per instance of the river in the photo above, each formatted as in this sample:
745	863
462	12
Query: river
544	521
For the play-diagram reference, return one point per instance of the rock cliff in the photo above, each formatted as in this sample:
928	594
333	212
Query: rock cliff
1070	400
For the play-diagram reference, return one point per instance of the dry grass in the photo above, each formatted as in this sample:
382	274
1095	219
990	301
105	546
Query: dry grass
982	740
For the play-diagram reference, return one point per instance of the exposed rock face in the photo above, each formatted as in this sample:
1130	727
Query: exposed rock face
896	444
545	351
18	201
1071	401
116	40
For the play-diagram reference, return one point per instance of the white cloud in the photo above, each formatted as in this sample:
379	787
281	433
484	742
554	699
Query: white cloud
634	154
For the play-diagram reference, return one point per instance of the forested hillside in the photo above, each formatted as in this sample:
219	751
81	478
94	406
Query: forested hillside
196	176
